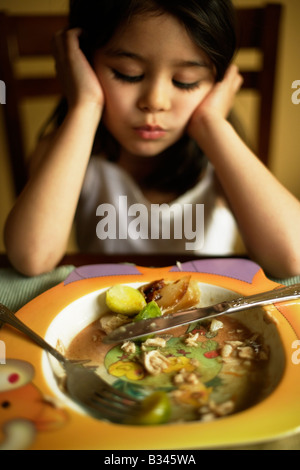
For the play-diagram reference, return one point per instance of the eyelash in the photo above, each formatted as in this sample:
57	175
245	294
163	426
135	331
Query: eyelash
138	78
186	86
127	78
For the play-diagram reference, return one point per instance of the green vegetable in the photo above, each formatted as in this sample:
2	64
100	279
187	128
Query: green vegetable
155	409
151	310
125	300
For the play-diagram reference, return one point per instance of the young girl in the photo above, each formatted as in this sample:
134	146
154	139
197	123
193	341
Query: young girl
148	88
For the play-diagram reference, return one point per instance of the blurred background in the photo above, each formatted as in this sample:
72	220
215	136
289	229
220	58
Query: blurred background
285	145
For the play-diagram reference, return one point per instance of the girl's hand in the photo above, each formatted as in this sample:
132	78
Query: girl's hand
79	81
218	102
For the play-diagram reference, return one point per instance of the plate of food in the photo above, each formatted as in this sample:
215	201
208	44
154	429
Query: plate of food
227	381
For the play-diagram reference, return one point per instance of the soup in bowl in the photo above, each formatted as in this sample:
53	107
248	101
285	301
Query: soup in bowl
203	371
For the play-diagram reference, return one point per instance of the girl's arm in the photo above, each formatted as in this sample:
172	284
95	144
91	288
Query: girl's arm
267	214
38	227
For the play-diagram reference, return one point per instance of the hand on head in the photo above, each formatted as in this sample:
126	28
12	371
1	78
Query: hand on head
219	100
79	81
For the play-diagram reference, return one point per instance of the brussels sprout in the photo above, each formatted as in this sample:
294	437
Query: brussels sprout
125	300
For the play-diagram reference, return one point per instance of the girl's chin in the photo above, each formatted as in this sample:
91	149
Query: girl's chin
143	153
147	149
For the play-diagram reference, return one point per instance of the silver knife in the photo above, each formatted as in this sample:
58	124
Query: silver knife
134	330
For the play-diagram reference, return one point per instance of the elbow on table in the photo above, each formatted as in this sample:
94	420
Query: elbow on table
30	268
30	255
287	266
31	263
293	265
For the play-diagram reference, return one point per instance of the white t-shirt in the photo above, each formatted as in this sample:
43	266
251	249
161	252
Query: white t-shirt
114	217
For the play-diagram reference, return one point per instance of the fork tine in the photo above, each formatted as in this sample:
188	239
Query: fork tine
105	410
113	393
111	413
115	402
105	387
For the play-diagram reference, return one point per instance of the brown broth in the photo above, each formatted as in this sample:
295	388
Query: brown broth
240	380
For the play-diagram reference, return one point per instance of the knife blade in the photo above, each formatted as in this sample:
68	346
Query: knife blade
150	326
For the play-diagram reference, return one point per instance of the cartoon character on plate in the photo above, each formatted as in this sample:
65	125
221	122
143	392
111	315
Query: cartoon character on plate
24	410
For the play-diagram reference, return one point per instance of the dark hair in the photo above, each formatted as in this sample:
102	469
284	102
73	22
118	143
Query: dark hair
210	24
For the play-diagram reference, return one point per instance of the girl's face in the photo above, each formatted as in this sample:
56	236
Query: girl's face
153	77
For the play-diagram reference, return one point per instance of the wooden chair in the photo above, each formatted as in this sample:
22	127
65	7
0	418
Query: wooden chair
259	28
24	36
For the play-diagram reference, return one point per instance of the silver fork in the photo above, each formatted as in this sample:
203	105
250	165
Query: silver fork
83	385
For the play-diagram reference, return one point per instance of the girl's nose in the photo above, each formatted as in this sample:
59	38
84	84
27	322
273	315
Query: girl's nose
155	98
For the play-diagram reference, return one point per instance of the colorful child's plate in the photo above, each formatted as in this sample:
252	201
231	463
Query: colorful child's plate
35	414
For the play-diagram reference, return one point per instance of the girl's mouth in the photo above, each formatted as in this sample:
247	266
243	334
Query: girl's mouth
150	132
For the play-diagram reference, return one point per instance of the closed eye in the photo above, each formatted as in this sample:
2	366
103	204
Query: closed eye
127	78
137	78
186	86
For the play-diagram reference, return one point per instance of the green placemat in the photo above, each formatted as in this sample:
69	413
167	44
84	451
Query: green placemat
287	282
16	290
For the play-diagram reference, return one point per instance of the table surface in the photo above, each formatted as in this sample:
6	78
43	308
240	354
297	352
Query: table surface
82	259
